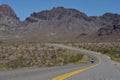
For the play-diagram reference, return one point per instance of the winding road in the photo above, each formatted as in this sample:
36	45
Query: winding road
102	69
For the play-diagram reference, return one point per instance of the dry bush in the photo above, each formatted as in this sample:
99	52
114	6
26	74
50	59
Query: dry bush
35	55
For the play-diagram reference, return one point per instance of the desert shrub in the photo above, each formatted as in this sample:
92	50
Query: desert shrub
16	63
111	49
37	55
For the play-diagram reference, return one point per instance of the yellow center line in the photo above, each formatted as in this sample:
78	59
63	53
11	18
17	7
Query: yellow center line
67	75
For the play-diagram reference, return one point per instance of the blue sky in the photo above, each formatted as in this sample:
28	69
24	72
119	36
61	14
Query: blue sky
23	8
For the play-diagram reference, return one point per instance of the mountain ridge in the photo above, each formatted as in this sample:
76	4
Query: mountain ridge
60	24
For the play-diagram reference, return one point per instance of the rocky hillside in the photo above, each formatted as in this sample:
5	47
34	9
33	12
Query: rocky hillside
8	20
60	24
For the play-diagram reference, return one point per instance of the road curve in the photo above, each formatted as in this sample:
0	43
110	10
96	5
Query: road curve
104	71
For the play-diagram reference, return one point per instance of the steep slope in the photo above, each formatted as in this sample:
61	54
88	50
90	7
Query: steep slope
8	20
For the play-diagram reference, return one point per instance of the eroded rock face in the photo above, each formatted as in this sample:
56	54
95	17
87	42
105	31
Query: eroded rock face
58	13
8	19
5	10
108	30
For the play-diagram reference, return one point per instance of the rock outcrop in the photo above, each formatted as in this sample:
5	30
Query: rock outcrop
8	19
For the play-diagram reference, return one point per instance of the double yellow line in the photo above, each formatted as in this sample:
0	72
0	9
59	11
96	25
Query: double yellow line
67	75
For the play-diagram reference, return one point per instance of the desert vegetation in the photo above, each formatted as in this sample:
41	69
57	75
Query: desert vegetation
111	49
15	55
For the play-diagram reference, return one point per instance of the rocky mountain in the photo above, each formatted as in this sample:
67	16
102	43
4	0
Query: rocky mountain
70	24
60	24
8	20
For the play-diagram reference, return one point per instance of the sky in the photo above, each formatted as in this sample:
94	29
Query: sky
23	8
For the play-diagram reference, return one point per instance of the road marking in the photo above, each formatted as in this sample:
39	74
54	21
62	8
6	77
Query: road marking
67	75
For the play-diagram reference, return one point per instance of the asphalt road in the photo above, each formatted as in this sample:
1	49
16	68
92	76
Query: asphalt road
104	71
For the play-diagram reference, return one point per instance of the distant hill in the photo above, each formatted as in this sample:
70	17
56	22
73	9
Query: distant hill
59	24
